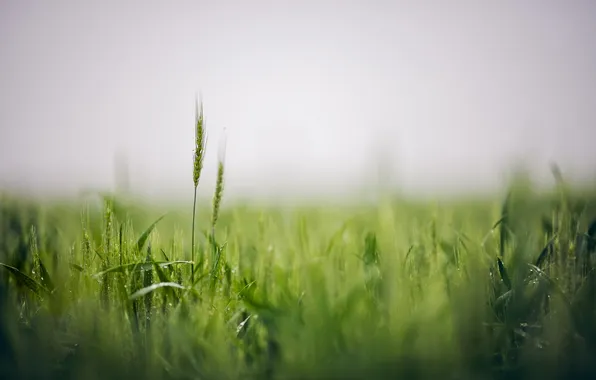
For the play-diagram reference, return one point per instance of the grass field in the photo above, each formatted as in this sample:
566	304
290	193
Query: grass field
501	288
477	290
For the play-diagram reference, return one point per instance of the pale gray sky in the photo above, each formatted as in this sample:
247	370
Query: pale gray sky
308	91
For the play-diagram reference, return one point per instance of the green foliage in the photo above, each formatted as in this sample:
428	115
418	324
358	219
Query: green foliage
393	290
397	289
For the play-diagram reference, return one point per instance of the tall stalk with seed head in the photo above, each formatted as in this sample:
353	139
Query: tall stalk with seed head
197	167
219	187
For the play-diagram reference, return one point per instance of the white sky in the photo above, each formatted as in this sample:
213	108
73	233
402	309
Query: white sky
309	92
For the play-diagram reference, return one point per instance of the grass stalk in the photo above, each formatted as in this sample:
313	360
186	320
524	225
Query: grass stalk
217	196
199	155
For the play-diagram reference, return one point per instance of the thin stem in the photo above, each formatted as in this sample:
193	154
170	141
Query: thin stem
120	244
192	245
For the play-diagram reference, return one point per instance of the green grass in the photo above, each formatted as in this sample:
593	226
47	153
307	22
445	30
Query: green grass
501	288
482	290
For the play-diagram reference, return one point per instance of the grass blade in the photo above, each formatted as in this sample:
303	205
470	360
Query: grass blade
504	225
23	279
145	235
141	266
592	236
45	277
545	252
149	289
503	273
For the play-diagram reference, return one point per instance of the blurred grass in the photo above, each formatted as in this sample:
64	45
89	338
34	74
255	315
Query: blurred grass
499	288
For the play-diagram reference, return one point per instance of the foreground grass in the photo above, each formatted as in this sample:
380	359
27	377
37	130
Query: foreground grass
484	290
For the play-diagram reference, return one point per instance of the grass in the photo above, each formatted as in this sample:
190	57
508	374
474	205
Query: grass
491	289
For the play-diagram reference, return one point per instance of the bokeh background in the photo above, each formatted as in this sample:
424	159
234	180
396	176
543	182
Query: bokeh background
317	98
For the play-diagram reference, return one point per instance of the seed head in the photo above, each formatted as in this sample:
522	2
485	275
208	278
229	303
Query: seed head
218	193
219	185
200	138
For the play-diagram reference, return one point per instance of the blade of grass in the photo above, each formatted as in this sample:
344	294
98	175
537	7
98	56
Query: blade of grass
546	251
149	289
141	266
145	235
503	273
23	279
503	224
45	277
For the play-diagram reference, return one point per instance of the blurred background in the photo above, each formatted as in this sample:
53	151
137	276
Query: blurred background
317	98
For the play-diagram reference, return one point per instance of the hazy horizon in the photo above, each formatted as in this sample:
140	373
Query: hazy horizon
313	95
